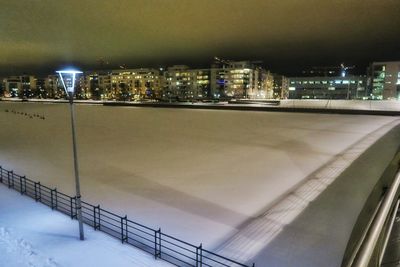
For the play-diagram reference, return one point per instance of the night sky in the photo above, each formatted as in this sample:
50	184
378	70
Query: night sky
38	36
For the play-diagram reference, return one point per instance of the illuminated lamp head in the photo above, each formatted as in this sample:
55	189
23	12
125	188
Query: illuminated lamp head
68	79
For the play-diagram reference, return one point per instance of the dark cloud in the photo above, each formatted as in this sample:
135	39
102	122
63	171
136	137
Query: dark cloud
286	34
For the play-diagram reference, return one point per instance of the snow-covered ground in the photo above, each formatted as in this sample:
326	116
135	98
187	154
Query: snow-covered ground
33	235
201	175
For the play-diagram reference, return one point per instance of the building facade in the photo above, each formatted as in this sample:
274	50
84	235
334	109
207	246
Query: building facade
338	87
181	82
240	79
384	80
280	87
23	86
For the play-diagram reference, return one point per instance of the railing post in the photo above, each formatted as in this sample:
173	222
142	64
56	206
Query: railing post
157	243
10	179
199	256
24	184
72	202
96	219
54	199
1	174
38	191
124	229
20	185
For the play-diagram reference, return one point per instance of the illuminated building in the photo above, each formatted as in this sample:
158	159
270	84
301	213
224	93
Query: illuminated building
280	87
185	83
227	79
22	86
338	87
240	79
28	86
41	91
135	84
384	80
54	87
12	86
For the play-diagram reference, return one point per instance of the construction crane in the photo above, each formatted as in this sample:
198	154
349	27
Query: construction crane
224	62
344	69
102	62
332	69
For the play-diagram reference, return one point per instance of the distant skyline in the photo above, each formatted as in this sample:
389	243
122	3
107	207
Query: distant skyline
39	36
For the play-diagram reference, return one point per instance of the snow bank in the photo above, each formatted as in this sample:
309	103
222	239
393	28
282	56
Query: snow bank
387	105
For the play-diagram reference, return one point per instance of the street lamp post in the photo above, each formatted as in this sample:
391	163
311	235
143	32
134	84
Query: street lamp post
68	82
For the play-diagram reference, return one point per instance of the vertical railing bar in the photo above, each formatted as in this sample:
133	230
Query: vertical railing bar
159	242
51	197
70	207
56	193
20	185
24	184
98	212
155	244
201	255
124	230
76	208
94	217
38	192
8	179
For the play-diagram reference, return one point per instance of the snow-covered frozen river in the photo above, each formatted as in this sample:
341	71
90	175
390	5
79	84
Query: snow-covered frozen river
197	174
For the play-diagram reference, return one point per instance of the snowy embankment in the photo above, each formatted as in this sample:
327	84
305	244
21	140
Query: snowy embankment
200	175
320	104
381	105
33	235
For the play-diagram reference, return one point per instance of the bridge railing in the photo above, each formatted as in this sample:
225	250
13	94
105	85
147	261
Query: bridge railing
154	241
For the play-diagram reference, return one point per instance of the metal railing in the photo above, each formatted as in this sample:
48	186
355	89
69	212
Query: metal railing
371	250
154	241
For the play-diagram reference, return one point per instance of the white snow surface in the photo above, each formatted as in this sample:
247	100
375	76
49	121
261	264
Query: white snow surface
32	235
197	174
